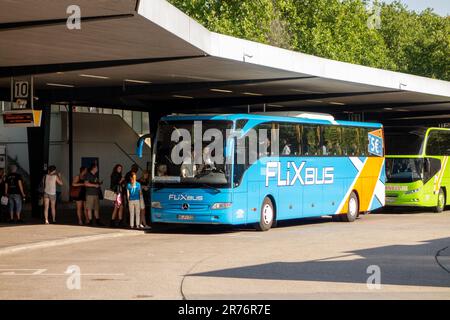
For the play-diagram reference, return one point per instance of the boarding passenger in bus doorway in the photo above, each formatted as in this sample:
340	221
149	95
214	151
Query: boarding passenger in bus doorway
15	191
145	200
134	194
50	180
117	186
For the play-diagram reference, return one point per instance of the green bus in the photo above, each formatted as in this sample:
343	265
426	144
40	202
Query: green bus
417	167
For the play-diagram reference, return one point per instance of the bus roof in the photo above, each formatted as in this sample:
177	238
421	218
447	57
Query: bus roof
263	118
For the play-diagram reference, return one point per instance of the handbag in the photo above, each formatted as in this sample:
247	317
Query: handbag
142	202
110	195
4	200
75	192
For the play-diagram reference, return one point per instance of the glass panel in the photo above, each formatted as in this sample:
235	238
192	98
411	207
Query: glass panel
403	170
178	163
332	137
311	140
137	121
289	144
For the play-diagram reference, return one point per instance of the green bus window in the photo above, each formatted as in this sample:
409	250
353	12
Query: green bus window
434	142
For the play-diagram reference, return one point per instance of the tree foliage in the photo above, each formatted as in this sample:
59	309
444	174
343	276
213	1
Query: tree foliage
406	41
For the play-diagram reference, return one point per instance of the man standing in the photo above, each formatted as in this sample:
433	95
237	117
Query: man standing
15	191
92	185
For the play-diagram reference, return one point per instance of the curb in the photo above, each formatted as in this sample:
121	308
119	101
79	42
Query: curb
66	241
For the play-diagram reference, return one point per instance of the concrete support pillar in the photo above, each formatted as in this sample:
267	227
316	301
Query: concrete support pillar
38	154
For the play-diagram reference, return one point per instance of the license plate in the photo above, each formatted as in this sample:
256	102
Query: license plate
185	217
390	200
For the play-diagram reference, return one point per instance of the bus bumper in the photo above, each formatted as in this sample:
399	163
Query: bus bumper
223	217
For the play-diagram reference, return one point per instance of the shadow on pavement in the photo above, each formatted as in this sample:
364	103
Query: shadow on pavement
409	265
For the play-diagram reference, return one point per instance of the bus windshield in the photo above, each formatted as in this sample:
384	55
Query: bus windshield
404	170
404	140
182	164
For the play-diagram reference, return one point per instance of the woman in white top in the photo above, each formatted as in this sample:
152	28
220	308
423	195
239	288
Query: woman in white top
50	181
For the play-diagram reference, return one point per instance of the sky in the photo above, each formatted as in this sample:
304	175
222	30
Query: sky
441	7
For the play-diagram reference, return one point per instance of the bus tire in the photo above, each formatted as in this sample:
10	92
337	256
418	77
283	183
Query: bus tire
267	216
352	210
440	202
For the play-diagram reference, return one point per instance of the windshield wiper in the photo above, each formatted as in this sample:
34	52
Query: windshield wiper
210	187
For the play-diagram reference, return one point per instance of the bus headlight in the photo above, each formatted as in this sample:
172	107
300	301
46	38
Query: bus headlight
156	205
412	191
221	205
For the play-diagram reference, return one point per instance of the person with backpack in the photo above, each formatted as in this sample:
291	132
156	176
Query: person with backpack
118	187
50	180
14	190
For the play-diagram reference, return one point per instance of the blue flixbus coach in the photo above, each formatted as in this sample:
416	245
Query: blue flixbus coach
265	169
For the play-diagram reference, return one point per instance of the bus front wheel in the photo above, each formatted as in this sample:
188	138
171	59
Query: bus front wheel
267	216
352	210
441	201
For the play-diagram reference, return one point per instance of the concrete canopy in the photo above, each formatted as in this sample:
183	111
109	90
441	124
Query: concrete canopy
148	55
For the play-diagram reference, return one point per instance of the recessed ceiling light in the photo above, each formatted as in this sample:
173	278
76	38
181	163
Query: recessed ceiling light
337	103
60	85
304	91
182	97
93	76
315	101
388	109
137	81
221	90
252	94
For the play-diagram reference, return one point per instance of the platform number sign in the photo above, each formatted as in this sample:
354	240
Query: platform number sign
22	93
376	143
21	89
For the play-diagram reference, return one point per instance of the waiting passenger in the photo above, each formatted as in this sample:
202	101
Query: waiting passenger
78	194
50	180
93	184
14	190
134	193
117	185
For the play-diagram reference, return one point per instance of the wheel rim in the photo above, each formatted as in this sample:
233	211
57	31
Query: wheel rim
441	200
267	214
352	207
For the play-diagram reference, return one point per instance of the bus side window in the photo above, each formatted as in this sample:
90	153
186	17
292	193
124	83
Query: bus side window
446	143
311	140
433	144
331	141
363	141
438	143
288	139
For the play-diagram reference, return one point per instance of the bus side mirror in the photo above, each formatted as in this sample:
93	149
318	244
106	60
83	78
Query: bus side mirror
140	144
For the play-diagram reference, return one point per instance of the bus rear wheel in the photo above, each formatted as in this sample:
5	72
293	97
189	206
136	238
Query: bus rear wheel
441	201
267	216
352	210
